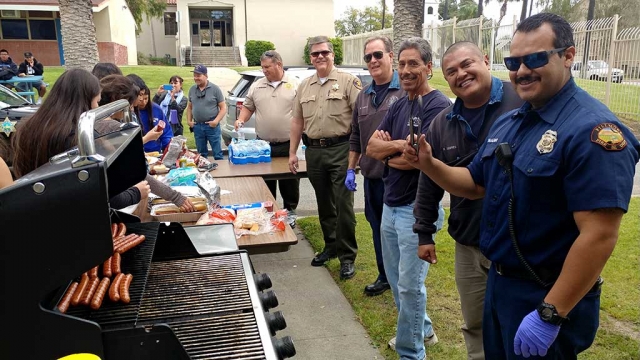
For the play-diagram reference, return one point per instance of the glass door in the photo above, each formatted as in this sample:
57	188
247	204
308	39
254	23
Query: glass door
205	33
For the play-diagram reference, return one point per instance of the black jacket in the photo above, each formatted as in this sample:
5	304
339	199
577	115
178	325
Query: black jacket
38	70
450	144
8	67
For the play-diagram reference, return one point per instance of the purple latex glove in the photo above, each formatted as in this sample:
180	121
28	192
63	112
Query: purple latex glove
534	336
350	181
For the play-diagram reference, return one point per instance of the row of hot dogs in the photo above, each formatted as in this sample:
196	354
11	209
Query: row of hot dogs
91	290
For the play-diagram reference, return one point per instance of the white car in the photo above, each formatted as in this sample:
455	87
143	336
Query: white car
235	97
597	70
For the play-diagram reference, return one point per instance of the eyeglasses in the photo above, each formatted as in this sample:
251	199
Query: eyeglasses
532	61
202	93
324	53
376	54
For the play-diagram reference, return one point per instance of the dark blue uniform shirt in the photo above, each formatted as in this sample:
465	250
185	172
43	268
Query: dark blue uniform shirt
590	165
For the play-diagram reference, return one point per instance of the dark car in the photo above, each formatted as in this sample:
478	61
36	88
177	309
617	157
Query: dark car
235	97
13	108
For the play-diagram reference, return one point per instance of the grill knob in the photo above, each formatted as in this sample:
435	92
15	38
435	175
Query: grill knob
275	321
268	299
284	347
263	281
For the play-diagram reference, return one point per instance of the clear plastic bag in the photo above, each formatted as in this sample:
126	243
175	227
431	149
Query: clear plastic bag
174	151
186	176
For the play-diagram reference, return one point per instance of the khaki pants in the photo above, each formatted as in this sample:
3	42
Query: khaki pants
471	269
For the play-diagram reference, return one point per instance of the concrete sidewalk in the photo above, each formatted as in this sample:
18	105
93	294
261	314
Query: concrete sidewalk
319	318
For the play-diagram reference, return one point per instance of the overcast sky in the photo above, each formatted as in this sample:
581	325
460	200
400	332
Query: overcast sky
491	10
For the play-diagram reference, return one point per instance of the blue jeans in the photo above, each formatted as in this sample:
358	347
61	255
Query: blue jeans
203	133
373	195
406	273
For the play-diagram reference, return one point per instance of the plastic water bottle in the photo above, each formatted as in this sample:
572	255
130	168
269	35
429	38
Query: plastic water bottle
300	152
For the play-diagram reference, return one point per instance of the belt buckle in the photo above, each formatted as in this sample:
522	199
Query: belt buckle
323	142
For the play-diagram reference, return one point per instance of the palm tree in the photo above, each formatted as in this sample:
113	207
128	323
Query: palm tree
78	34
408	16
523	13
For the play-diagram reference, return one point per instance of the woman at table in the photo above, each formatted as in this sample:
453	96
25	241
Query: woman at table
172	100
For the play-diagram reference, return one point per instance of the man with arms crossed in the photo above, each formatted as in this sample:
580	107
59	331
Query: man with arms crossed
323	109
271	99
557	176
455	135
404	269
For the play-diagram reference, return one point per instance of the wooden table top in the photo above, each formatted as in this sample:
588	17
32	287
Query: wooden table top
278	168
248	190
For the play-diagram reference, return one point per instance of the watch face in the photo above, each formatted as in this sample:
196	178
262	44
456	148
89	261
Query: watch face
546	313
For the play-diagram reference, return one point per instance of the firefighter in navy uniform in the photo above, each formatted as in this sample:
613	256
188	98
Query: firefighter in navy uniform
556	176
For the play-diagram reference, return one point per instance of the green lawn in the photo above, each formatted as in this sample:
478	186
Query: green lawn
618	337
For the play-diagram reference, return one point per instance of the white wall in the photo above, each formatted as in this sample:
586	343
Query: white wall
123	28
184	32
288	24
154	31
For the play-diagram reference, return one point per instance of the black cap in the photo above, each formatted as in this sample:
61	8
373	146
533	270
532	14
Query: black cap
28	54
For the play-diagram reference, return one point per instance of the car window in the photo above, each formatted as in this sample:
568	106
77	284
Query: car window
598	64
242	86
8	97
365	80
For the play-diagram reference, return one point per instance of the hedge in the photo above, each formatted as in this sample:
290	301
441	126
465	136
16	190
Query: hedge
337	50
255	48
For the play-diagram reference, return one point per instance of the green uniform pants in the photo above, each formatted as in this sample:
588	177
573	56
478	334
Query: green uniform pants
327	170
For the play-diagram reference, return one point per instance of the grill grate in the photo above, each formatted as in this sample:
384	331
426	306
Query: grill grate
226	337
135	262
193	287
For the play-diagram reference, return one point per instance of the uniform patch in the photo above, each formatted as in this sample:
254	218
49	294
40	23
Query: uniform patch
608	136
357	83
8	126
545	145
288	86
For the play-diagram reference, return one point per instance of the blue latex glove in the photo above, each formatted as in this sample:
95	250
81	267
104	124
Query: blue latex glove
350	181
534	336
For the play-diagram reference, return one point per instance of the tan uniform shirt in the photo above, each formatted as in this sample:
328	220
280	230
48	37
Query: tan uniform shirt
273	107
327	108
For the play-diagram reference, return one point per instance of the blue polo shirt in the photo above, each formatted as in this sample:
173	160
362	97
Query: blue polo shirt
400	186
570	155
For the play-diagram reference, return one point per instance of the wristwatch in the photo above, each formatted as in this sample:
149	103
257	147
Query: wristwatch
549	314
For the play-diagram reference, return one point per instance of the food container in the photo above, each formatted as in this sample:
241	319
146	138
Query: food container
177	217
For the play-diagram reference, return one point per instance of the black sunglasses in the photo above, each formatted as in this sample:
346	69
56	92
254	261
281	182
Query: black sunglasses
202	93
532	61
324	53
376	54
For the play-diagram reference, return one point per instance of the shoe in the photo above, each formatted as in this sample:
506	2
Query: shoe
428	341
377	288
39	102
347	271
322	258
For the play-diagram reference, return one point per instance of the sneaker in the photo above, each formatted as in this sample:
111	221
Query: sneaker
428	341
39	102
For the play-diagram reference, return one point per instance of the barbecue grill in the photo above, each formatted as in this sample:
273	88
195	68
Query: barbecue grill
195	299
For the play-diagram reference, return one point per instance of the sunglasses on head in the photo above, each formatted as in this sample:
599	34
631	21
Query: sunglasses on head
324	53
532	61
376	54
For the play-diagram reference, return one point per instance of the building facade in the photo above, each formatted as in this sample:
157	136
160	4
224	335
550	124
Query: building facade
27	25
217	30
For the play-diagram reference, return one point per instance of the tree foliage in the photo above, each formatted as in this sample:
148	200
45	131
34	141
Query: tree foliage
146	9
254	50
357	21
462	9
576	10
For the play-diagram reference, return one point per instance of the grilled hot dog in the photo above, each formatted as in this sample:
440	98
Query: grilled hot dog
106	267
124	288
114	290
114	230
116	260
66	299
96	301
93	273
88	293
77	296
122	229
130	245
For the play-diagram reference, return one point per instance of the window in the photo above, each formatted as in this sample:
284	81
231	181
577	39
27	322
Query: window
170	24
14	29
42	29
430	10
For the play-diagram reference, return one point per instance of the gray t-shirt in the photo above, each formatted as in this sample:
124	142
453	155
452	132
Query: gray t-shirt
205	102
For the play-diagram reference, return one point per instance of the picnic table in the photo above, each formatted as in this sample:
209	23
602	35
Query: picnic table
29	80
277	169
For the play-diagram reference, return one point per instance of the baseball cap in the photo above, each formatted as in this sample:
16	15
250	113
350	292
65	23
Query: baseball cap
28	54
200	69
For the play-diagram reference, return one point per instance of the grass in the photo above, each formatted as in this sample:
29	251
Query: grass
617	337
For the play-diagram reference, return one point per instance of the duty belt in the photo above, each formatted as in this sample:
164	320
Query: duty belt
324	142
546	275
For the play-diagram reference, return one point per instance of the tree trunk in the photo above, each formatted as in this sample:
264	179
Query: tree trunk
523	13
408	16
481	7
78	34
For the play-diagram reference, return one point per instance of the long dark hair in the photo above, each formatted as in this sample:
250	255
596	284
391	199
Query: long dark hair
51	130
146	91
116	87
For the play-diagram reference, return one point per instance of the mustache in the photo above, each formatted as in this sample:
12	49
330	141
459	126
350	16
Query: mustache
525	78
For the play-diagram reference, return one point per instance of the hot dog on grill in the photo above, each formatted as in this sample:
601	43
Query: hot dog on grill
93	273
77	296
122	229
66	299
114	230
116	260
106	267
124	288
130	245
123	239
96	301
114	290
88	293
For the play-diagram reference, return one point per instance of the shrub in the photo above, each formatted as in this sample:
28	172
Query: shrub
143	59
255	48
337	50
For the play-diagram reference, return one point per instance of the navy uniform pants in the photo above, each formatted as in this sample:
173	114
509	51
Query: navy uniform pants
508	300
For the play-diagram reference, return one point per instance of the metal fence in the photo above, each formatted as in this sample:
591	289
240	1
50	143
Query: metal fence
607	62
